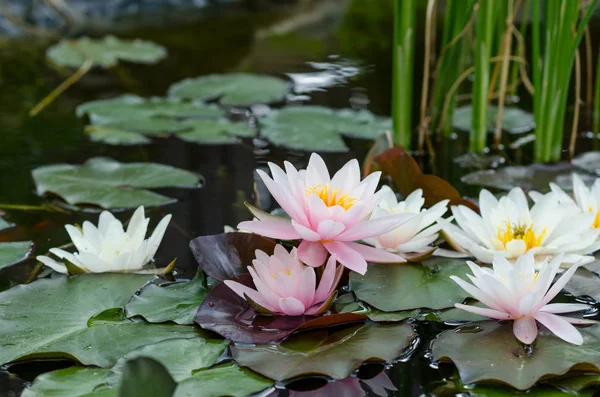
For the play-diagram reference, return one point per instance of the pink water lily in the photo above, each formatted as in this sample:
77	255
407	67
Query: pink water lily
329	214
518	292
284	285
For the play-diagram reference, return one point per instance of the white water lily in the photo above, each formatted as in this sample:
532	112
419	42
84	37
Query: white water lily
413	239
108	247
508	227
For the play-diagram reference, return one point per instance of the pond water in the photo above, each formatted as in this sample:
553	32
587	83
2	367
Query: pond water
338	53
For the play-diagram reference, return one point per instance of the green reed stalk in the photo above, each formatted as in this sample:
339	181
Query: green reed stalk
483	46
403	58
453	51
560	47
514	67
596	108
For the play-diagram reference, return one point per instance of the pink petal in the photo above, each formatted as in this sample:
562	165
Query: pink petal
291	306
326	283
478	294
564	307
525	329
328	229
280	230
312	254
560	327
305	233
241	289
374	227
558	285
306	287
483	311
285	199
347	256
375	255
317	210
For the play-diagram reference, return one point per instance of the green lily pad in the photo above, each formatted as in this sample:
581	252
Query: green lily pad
104	52
584	282
4	224
488	351
223	380
575	383
69	382
331	352
317	128
132	106
514	120
11	253
147	126
110	184
181	357
176	302
79	318
143	376
215	132
539	391
394	288
115	136
589	161
235	89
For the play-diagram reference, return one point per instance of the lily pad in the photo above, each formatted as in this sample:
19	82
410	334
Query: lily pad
223	380
215	132
394	288
584	282
531	177
115	136
110	184
104	52
226	255
514	120
589	161
229	315
69	382
132	106
575	383
331	352
4	224
317	128
176	302
77	318
538	391
160	127
143	376
235	89
11	253
488	351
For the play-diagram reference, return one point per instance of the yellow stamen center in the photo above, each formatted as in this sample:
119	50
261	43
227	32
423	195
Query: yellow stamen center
286	271
330	197
596	224
521	232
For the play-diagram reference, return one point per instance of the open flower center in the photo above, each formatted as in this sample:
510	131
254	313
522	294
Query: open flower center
285	271
331	197
517	231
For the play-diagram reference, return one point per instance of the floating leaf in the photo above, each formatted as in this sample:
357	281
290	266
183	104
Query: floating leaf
408	177
226	255
589	161
394	288
584	282
4	224
115	136
235	89
531	177
176	302
215	132
105	52
160	127
68	382
575	383
143	376
489	351
181	357
78	318
110	184
514	120
11	253
331	352
317	128
539	391
229	315
132	106
224	380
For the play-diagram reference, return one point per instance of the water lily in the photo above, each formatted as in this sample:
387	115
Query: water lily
413	239
508	227
284	285
518	292
108	247
329	214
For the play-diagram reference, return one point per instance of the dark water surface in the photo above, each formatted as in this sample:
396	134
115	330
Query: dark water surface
337	52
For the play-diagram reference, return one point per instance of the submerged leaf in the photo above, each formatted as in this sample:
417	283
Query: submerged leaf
489	351
104	52
317	128
11	253
60	318
394	288
110	184
235	89
176	302
514	120
335	352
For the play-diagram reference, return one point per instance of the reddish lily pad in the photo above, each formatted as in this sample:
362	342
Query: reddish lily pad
489	352
229	315
226	255
408	177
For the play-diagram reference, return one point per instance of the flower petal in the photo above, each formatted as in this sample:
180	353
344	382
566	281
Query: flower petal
291	306
311	253
484	311
327	279
372	254
560	327
374	227
347	256
525	329
51	263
